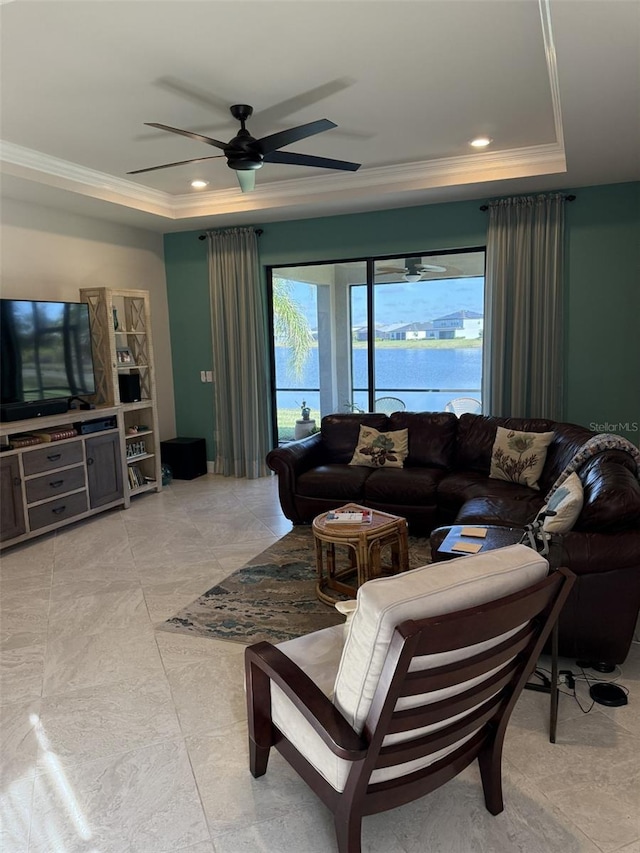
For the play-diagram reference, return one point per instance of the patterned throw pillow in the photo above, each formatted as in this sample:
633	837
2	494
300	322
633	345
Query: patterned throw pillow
519	457
381	449
567	502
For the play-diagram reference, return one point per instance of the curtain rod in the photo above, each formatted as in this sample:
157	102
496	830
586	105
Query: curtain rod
484	207
258	231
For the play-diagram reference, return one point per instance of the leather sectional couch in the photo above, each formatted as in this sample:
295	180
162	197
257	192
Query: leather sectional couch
445	480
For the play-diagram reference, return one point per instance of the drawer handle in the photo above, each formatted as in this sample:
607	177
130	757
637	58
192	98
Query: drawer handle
90	461
59	509
16	481
55	484
53	457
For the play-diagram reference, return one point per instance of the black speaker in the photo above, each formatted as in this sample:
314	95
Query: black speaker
187	457
129	387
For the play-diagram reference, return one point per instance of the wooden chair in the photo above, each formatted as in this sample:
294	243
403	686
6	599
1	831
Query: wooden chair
432	666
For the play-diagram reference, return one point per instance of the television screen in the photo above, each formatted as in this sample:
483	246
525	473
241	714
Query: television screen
45	351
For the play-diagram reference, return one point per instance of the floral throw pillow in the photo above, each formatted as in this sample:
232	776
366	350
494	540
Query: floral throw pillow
519	457
381	449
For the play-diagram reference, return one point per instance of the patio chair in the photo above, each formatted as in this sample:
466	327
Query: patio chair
433	663
463	405
389	405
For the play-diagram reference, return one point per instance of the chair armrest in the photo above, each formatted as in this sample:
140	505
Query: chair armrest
307	697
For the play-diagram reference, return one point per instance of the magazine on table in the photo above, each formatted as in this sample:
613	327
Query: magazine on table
340	516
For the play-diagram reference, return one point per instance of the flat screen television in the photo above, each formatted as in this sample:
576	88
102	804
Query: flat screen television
45	357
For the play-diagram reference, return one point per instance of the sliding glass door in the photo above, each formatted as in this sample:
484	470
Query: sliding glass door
350	335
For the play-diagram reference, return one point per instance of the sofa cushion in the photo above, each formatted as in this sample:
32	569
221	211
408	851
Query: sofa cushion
340	433
403	486
500	511
566	502
432	437
458	487
341	483
431	590
375	449
518	457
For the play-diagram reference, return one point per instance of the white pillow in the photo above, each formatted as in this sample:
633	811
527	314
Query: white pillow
567	502
519	457
427	591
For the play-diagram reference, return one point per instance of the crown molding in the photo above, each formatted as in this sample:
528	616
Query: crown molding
473	168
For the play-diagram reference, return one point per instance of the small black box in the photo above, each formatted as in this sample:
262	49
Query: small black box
187	457
129	387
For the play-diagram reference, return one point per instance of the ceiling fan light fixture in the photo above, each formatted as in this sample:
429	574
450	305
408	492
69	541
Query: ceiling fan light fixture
481	142
412	276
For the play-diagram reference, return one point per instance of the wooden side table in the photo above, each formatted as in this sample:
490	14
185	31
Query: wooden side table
365	543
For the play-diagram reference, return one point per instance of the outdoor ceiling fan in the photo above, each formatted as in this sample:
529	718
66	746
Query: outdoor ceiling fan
415	270
245	154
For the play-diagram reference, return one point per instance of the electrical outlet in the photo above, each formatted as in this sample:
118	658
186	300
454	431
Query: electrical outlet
203	376
209	375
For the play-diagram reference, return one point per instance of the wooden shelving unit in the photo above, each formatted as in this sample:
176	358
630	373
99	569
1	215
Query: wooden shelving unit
122	345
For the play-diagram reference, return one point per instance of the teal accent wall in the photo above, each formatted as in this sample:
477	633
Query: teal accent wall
602	319
602	309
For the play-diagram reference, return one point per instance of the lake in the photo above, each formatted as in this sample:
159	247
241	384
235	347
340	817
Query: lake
424	378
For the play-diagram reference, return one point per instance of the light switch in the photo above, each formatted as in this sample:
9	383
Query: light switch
203	376
209	375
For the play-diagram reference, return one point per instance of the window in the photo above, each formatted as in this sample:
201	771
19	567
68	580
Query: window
348	333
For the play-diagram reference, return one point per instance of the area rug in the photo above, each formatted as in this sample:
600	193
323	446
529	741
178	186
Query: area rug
272	597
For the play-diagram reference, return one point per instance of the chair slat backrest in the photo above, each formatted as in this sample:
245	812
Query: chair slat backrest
418	710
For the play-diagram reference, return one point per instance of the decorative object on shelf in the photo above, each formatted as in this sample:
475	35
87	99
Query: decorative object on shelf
116	326
136	448
123	355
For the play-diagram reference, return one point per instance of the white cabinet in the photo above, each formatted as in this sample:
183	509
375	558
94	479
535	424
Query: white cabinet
123	363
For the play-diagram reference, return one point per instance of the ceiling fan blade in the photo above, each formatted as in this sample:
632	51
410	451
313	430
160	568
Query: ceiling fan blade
398	270
246	179
201	97
179	163
277	112
285	137
292	159
189	134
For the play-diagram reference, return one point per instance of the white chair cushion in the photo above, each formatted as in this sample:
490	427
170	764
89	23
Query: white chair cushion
382	604
430	590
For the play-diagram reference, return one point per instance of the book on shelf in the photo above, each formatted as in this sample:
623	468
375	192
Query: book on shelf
24	440
56	434
338	516
136	477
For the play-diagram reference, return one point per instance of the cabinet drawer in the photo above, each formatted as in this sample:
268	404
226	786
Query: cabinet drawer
56	511
54	484
52	456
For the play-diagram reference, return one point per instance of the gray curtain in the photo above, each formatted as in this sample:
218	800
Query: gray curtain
523	356
241	374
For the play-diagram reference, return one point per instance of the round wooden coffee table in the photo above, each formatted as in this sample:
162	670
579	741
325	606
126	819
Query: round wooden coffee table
364	542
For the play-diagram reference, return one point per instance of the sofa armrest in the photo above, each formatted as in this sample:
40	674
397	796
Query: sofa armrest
289	462
611	495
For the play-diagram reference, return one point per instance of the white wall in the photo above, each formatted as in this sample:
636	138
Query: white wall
47	253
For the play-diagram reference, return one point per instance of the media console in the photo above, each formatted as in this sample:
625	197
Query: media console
48	485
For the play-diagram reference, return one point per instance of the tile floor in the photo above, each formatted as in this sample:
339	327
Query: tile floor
116	738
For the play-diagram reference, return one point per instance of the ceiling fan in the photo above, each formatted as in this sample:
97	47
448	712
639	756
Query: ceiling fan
246	154
415	270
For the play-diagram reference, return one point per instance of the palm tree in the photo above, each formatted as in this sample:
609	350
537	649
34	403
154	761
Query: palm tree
290	325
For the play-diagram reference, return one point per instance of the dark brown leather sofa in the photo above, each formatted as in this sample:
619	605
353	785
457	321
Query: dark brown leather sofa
445	480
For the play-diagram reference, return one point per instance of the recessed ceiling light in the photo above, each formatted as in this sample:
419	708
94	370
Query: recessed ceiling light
198	185
481	142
